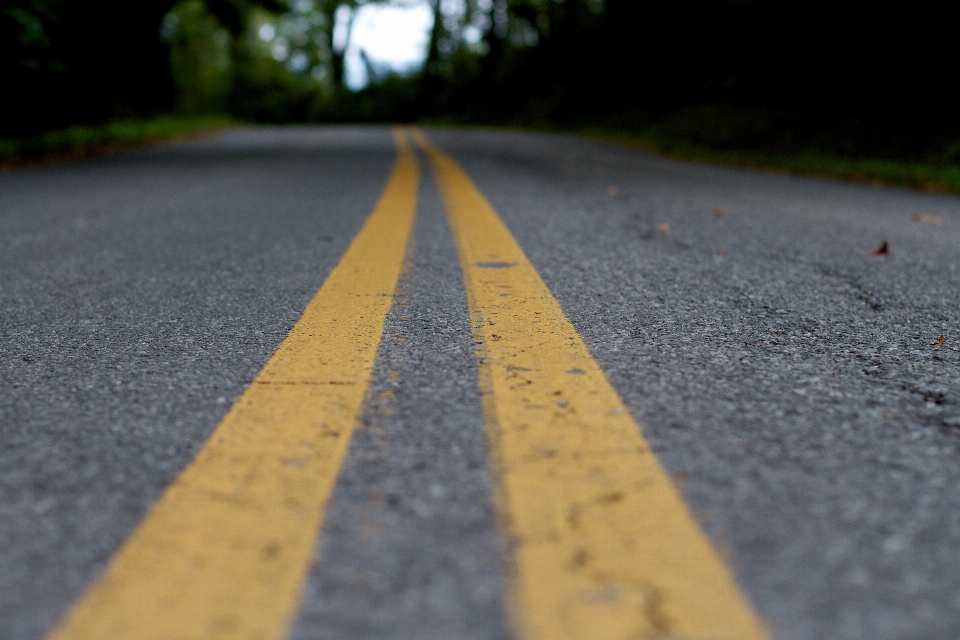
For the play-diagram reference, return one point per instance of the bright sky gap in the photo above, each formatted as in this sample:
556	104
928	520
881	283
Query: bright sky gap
392	35
382	37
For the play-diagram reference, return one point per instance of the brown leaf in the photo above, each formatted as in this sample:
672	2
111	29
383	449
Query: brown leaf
718	212
939	340
927	218
882	250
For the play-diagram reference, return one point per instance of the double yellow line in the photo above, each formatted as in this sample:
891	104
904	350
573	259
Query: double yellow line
603	545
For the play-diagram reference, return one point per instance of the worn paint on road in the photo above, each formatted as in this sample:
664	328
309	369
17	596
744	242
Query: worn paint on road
604	545
224	552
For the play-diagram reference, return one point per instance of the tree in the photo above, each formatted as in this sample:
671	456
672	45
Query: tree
65	62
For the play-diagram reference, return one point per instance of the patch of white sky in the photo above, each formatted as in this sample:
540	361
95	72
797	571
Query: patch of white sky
393	35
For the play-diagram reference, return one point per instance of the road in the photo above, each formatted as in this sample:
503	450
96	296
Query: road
766	411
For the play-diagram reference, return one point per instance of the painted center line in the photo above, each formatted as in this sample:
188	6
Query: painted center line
224	552
604	545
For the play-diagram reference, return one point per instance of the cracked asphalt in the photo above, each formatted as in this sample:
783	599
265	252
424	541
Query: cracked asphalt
794	385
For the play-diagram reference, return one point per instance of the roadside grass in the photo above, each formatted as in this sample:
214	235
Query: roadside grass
81	141
717	137
940	174
936	177
904	151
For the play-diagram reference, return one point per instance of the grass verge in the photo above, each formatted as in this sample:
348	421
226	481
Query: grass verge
935	177
81	141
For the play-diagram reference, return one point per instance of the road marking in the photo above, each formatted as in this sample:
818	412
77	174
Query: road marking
604	545
224	552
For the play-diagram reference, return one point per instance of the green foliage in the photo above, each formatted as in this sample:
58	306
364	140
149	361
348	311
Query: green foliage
805	86
264	91
79	140
762	140
26	32
391	98
283	65
64	62
272	67
200	57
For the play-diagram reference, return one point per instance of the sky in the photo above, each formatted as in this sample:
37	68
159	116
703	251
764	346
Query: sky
392	35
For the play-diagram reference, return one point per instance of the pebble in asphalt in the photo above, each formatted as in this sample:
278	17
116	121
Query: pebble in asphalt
785	377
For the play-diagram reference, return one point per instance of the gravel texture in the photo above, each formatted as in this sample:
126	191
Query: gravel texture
783	374
793	384
139	295
411	548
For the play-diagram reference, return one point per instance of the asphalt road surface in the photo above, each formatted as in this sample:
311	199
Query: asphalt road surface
801	392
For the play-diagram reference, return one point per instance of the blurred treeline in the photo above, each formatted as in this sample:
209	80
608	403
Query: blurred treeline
841	77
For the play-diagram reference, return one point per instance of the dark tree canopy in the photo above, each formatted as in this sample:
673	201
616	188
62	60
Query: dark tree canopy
828	63
65	61
71	61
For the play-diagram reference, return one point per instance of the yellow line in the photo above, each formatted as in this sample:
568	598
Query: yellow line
224	552
604	546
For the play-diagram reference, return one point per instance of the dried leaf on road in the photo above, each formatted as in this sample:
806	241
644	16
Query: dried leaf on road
927	218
